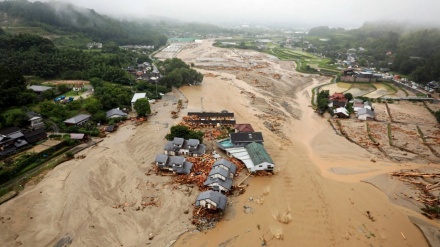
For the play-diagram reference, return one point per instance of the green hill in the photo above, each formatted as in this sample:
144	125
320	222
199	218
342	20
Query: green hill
57	19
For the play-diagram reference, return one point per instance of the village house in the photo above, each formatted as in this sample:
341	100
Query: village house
137	96
365	114
35	135
225	165
338	100
115	113
240	128
180	146
35	119
223	118
211	200
218	184
10	140
78	120
177	164
242	139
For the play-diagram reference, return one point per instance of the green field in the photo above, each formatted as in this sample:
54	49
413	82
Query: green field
307	63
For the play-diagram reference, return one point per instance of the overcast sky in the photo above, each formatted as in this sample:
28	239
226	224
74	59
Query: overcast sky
344	13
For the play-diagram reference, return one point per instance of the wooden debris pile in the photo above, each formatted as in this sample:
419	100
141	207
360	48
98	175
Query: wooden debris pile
200	170
213	134
205	219
428	183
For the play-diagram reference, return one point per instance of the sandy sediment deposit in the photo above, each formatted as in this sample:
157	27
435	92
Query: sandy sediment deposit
315	197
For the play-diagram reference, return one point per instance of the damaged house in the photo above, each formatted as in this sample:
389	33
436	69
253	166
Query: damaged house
177	164
180	146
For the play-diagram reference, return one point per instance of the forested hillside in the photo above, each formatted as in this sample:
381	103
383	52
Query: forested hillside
411	51
63	18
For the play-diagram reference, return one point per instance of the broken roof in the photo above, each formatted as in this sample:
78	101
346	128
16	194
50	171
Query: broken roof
214	196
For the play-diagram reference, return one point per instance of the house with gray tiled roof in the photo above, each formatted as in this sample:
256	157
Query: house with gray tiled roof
78	120
175	164
115	113
180	146
211	200
218	184
225	165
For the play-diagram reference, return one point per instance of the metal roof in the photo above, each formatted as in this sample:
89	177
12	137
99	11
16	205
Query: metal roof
37	88
137	96
77	119
258	153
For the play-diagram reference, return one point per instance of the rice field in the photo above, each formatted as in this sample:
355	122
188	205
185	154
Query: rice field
339	87
381	90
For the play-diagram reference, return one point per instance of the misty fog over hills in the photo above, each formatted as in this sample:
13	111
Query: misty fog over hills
341	13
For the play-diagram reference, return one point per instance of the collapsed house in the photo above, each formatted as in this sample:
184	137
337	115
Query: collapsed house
177	164
180	146
211	200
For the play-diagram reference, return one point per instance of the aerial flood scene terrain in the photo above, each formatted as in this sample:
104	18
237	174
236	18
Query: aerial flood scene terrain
174	127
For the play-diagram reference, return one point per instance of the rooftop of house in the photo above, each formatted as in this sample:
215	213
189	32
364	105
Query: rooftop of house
227	184
77	136
247	137
178	141
115	111
244	128
258	153
161	158
218	170
214	196
365	111
212	114
9	131
232	168
137	96
77	119
338	97
39	89
342	110
31	114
